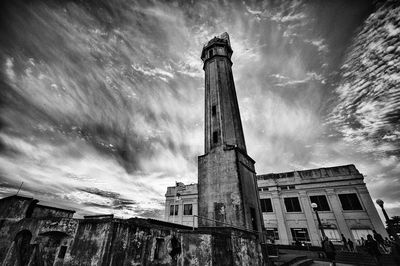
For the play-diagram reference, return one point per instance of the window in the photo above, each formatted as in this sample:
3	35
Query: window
287	187
215	137
187	209
159	251
266	205
332	234
272	233
321	202
292	204
171	210
61	253
253	218
210	53
350	202
300	234
358	233
214	110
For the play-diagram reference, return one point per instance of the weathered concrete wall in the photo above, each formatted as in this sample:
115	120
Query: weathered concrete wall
35	240
40	211
227	189
249	190
196	249
246	249
15	207
108	241
219	191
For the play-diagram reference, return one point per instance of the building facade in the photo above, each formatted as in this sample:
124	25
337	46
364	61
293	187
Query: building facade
344	205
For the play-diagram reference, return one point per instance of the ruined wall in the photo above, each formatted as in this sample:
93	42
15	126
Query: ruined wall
196	249
246	249
34	240
40	211
109	241
15	207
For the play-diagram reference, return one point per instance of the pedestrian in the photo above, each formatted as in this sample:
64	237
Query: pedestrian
362	241
329	249
372	248
351	245
344	240
379	240
395	251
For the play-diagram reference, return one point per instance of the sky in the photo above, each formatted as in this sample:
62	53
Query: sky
102	102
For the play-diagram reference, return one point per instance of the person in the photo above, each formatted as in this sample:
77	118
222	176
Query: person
379	239
372	248
329	250
362	241
395	250
344	243
350	244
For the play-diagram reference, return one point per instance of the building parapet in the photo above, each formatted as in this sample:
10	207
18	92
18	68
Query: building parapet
343	170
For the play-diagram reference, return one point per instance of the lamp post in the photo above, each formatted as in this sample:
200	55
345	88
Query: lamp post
315	206
380	203
388	221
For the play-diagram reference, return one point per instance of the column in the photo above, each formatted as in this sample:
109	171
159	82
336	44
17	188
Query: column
371	210
280	217
338	212
311	222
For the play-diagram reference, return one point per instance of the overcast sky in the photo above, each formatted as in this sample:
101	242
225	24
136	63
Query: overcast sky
102	103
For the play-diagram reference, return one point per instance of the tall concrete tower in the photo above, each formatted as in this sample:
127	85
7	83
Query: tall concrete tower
227	180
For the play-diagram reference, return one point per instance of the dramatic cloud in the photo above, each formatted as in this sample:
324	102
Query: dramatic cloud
102	102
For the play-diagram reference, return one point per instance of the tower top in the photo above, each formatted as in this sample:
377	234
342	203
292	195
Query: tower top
221	40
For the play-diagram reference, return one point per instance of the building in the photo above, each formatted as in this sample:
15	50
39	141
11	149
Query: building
227	185
344	205
181	206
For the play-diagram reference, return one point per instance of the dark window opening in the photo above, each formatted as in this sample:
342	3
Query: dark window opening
61	253
350	202
173	210
321	201
272	233
266	205
159	252
253	218
215	137
292	204
214	110
288	187
210	53
187	209
300	234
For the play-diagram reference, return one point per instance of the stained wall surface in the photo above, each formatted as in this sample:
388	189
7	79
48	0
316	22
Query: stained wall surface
109	241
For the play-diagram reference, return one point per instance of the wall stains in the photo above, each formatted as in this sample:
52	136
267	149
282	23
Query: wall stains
107	241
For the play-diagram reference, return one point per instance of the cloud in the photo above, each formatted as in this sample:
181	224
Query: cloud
101	106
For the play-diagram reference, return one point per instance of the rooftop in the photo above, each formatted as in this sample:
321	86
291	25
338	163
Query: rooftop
342	170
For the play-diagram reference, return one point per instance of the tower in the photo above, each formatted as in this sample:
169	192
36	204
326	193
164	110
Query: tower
228	193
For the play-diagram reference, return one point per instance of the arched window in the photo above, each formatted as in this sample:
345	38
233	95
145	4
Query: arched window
22	248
